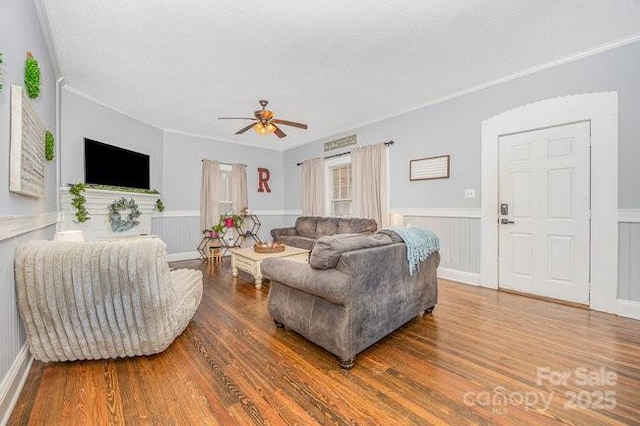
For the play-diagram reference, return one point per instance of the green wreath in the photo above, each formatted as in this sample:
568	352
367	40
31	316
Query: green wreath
118	224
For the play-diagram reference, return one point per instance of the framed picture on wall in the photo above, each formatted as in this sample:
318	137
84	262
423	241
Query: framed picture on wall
429	168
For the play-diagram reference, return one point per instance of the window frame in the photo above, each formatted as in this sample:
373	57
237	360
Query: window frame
225	205
330	165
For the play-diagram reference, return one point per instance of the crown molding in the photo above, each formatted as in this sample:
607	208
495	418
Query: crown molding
528	71
231	141
71	89
43	19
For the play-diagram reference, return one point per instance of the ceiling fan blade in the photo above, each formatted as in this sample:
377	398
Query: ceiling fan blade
279	132
289	123
244	129
236	118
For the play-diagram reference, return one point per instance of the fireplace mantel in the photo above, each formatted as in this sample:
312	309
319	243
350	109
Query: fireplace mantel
98	200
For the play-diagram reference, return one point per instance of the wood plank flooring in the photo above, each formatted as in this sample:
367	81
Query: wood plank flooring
474	361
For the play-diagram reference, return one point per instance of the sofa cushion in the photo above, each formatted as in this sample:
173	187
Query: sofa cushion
356	226
326	226
306	226
328	249
298	241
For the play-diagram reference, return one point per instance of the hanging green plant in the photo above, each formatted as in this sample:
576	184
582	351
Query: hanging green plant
159	205
78	201
32	76
49	146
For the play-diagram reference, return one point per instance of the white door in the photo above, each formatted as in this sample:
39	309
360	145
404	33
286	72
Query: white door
544	212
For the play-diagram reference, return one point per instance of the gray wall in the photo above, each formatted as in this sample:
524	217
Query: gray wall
82	118
179	226
19	32
453	127
183	167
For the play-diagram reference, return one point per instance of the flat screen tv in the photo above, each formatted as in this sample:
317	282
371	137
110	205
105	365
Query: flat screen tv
110	165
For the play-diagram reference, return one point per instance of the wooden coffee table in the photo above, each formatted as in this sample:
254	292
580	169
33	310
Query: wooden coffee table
247	260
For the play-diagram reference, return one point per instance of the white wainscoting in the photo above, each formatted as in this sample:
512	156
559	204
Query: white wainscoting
15	359
459	232
180	229
628	265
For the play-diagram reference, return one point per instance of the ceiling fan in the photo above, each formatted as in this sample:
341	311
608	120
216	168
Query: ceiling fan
264	123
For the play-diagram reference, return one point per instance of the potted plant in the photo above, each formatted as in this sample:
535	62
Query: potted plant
216	230
231	220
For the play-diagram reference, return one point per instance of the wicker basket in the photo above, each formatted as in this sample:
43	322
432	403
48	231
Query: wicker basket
276	248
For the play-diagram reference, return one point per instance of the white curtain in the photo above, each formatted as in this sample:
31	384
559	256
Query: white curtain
369	183
209	194
239	198
313	187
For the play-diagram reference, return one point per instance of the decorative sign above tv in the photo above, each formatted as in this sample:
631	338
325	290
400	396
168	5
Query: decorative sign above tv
111	165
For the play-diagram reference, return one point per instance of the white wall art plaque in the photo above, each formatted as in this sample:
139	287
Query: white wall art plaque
429	168
26	174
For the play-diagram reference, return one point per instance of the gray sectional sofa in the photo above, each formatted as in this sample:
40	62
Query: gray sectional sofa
356	290
309	228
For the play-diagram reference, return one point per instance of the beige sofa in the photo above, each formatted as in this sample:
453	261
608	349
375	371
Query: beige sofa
102	300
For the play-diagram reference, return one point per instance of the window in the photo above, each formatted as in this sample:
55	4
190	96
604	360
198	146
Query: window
225	189
338	187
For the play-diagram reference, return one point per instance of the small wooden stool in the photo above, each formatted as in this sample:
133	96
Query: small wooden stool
215	255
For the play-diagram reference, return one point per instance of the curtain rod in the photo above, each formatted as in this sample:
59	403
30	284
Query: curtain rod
226	164
345	153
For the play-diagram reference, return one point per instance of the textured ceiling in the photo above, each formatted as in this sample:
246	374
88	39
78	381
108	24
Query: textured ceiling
331	64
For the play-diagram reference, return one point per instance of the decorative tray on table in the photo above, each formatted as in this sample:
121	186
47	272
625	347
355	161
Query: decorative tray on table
268	247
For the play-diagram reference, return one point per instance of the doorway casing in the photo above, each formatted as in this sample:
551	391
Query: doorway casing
601	109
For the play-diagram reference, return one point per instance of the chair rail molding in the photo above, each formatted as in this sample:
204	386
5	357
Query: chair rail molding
12	226
196	213
601	110
629	215
471	213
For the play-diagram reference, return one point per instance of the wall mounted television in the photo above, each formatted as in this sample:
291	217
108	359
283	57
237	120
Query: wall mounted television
106	164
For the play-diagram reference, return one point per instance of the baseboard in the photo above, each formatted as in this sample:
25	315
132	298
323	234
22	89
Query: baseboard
628	309
188	255
463	277
12	383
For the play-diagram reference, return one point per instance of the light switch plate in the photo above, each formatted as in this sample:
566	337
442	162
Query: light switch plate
469	193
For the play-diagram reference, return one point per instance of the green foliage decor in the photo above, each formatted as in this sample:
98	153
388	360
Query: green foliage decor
159	205
121	188
49	145
118	223
78	201
222	225
32	76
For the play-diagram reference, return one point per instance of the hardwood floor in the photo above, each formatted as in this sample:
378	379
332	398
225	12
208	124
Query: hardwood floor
475	360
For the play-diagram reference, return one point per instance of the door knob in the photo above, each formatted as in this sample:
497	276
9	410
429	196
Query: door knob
506	222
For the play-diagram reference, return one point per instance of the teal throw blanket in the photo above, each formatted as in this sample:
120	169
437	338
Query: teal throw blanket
420	244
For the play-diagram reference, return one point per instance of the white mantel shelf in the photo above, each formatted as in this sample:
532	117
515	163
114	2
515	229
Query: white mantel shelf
98	200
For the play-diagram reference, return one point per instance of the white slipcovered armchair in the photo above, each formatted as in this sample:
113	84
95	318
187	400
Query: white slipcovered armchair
102	300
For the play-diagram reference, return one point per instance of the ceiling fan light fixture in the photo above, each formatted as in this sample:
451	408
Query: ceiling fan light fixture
264	129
